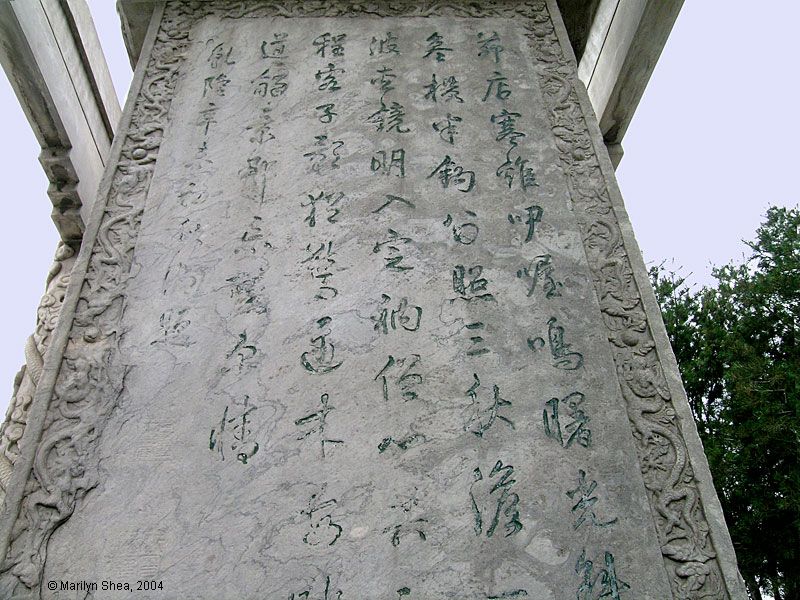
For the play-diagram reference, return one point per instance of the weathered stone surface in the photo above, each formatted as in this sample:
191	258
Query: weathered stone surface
360	320
52	56
35	348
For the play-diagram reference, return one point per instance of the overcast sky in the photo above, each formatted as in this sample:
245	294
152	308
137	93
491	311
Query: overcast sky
712	145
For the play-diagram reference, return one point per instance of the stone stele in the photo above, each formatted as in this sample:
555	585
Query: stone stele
359	314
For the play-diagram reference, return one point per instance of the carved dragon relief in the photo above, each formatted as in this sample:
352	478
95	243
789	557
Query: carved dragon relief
237	9
28	377
680	521
91	378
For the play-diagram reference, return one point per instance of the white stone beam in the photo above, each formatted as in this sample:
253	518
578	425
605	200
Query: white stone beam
51	54
622	48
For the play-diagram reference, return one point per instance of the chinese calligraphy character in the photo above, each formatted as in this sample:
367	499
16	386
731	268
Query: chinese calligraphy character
448	89
386	45
273	83
276	48
448	172
321	524
243	351
173	325
506	122
394	260
498	84
331	200
448	128
262	127
476	341
208	117
233	432
386	80
216	85
220	55
470	285
493	501
576	429
582	510
407	524
436	47
315	423
319	155
518	170
320	263
400	370
389	118
541	269
321	359
563	358
465	233
534	216
326	112
248	293
404	316
327	78
404	443
604	584
483	418
489	45
327	44
385	162
391	199
253	238
328	593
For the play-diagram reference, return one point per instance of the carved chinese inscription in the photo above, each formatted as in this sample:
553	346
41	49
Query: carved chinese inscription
495	508
599	581
566	422
321	527
233	433
407	522
485	413
585	500
369	271
314	425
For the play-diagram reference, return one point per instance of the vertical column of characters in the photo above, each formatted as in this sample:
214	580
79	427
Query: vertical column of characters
398	374
247	287
322	205
565	420
473	299
322	208
230	437
493	498
188	271
245	296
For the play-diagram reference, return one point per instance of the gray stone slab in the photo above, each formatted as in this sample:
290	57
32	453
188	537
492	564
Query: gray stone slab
360	319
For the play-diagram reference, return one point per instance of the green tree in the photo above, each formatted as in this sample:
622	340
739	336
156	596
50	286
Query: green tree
737	348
